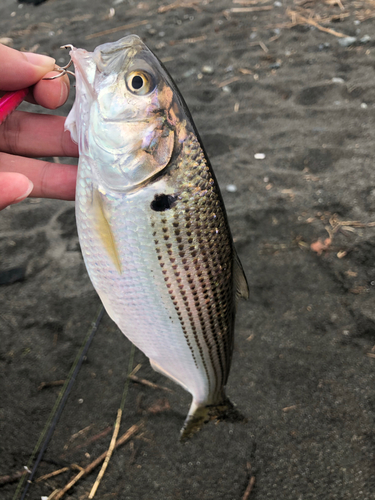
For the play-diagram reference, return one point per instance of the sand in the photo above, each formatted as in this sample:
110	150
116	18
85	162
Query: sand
287	116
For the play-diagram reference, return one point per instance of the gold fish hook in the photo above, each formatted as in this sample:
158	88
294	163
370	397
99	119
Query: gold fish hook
63	70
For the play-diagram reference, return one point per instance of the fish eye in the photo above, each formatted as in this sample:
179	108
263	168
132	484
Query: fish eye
140	82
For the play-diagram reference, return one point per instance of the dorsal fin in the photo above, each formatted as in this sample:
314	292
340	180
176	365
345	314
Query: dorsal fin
239	279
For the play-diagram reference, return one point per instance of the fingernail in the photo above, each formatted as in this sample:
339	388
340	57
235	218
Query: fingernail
26	193
40	60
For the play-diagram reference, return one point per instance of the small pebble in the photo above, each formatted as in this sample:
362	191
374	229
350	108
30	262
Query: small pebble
189	72
259	156
231	188
365	39
364	105
324	46
226	89
161	33
275	65
228	69
337	80
347	41
208	70
277	4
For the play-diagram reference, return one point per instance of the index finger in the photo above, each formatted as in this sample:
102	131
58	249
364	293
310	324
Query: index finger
22	69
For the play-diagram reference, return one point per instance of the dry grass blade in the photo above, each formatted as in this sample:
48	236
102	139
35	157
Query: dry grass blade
115	30
89	441
180	5
123	439
54	383
249	488
143	381
289	408
188	40
228	82
249	2
52	474
109	454
11	478
239	10
299	19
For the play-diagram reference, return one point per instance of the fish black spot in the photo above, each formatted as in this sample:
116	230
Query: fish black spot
162	202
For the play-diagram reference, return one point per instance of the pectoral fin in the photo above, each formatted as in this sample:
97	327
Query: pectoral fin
104	230
240	282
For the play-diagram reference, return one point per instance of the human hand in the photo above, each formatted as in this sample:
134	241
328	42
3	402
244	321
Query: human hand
24	136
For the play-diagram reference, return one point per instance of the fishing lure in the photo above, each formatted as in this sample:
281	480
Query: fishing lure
10	101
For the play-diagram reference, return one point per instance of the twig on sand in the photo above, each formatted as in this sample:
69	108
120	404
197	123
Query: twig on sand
87	442
180	5
53	383
11	478
109	454
228	82
118	28
249	2
52	474
123	439
250	486
299	19
188	40
241	10
143	381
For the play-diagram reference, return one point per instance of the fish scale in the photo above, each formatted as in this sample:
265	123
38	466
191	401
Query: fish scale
152	224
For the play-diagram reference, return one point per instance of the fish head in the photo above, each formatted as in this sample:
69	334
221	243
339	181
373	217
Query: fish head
128	118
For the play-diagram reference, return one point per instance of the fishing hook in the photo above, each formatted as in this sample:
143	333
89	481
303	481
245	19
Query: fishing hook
63	70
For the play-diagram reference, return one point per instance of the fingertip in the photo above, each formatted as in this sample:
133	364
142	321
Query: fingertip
29	187
52	93
14	187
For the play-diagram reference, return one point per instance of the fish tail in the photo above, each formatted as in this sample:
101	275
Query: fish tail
200	415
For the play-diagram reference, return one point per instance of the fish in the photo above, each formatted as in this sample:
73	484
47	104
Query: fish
151	221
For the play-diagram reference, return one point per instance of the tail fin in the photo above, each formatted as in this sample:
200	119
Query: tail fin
200	415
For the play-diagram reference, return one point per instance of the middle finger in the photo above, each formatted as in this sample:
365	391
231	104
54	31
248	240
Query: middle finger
33	135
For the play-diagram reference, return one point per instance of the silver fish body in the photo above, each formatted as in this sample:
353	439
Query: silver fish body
151	221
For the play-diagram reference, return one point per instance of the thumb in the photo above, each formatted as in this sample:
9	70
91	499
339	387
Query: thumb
22	69
14	187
